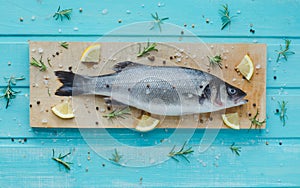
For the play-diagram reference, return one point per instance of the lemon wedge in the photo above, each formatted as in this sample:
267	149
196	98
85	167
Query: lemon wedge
63	110
146	123
231	120
246	67
91	54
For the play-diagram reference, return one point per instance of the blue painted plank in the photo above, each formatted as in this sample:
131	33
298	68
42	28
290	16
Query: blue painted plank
258	165
14	62
283	20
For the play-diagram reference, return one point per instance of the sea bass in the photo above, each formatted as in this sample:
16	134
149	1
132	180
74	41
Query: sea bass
162	90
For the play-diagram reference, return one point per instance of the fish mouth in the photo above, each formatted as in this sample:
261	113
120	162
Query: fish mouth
240	101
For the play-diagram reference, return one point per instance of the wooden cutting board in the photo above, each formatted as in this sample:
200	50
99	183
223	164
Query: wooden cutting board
90	109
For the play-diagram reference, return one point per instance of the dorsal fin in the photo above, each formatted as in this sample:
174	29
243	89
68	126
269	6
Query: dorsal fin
125	64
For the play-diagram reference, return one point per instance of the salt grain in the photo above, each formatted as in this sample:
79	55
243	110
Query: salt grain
147	91
40	50
44	121
178	59
104	11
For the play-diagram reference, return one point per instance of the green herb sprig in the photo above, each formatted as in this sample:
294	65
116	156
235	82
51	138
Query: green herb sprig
235	149
282	111
216	60
38	63
65	45
60	160
157	21
225	17
9	93
49	62
116	157
284	52
147	49
182	152
256	122
118	113
62	13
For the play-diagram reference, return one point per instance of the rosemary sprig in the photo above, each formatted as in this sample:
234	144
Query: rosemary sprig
118	113
235	149
60	160
157	21
64	45
49	62
182	152
282	111
284	52
147	49
62	13
40	64
216	60
256	122
9	93
116	157
225	17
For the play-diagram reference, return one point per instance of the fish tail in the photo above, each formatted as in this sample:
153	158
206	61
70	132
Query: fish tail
71	83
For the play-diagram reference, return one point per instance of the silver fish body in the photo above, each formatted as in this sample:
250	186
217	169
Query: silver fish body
163	90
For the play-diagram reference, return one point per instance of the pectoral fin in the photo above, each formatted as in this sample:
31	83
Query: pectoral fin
110	102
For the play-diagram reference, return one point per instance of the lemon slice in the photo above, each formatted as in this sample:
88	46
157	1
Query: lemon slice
246	67
91	54
146	123
63	110
231	120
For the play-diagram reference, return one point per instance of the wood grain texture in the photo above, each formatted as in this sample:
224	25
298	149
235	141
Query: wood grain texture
192	55
30	164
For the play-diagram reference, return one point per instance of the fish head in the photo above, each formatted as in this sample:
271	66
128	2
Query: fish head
233	96
221	95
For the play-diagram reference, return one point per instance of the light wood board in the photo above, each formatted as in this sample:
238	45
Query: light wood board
44	84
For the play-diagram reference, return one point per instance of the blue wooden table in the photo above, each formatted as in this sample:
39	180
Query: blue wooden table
270	157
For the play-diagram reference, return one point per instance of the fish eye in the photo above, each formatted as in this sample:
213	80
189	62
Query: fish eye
231	91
